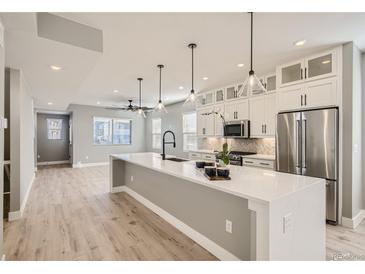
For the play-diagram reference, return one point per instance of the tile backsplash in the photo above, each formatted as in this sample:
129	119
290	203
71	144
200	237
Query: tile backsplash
261	146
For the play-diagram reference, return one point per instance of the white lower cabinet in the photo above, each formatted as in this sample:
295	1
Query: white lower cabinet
205	123
319	93
201	156
269	164
263	115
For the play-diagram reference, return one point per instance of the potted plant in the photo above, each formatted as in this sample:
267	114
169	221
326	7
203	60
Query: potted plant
224	153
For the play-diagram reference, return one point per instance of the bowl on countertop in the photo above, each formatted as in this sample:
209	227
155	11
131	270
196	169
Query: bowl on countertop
223	172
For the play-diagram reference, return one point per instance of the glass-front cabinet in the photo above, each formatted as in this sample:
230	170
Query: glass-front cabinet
205	98
320	65
231	92
315	67
270	83
219	95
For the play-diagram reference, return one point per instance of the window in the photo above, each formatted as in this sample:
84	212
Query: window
156	133
108	131
189	131
54	128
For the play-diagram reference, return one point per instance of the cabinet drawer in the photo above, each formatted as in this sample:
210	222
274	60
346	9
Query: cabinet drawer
195	156
258	163
210	157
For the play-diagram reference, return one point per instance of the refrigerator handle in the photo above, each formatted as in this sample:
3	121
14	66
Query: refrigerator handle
304	145
298	152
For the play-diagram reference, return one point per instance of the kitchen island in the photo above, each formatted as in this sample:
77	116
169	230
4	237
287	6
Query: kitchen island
257	215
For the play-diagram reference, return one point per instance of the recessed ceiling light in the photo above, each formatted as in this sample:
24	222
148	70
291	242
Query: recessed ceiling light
181	87
98	103
115	91
205	78
240	65
326	62
300	43
54	67
50	103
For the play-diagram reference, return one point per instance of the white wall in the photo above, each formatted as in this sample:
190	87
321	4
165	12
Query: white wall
21	141
84	151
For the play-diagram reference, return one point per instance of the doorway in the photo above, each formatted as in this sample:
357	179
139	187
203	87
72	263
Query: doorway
53	139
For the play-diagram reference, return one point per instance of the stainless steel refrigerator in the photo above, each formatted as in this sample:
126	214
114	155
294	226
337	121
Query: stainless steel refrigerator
307	144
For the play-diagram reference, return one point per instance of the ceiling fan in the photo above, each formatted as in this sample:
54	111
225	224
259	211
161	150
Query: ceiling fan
141	110
130	107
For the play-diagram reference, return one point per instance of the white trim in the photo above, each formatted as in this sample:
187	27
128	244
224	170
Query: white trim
354	222
81	165
53	163
208	244
15	215
3	257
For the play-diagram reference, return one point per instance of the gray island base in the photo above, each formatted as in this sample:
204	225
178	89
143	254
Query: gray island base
274	216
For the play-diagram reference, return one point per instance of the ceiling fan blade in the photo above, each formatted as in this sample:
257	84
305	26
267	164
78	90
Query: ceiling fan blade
116	108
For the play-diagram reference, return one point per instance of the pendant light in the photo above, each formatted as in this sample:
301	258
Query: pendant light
140	109
192	97
160	107
252	84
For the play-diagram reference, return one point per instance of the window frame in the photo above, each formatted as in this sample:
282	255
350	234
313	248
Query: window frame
156	134
112	130
195	134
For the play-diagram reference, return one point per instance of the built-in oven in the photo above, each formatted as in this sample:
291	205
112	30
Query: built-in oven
237	129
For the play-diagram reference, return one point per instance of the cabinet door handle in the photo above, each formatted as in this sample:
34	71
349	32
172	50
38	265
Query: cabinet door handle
262	128
248	162
301	74
264	164
305	73
301	100
305	99
265	128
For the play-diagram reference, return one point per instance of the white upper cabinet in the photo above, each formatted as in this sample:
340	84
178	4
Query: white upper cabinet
205	123
263	115
233	91
218	120
320	93
237	110
270	83
315	67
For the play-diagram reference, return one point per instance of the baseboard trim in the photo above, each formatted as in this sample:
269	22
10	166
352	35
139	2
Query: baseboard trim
80	165
3	257
208	244
53	163
15	215
354	222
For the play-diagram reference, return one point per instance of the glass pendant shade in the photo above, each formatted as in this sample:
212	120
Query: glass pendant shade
191	98
141	112
252	85
160	106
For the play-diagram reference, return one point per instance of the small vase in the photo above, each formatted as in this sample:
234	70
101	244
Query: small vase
221	163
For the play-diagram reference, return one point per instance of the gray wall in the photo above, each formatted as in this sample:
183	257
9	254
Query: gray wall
2	84
202	208
352	131
84	151
52	150
172	120
22	140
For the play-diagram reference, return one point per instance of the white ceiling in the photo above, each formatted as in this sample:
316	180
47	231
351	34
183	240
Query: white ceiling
134	43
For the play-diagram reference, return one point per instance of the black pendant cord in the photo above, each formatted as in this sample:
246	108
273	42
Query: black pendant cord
251	37
159	96
192	46
140	92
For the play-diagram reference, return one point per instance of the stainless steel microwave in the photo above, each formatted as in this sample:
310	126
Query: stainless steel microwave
237	129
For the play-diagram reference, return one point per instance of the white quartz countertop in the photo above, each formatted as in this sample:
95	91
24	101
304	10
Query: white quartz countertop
250	183
260	157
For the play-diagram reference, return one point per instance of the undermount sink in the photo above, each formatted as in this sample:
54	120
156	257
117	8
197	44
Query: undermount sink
176	159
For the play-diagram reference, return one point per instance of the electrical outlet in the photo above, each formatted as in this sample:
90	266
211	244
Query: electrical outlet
132	178
228	226
287	223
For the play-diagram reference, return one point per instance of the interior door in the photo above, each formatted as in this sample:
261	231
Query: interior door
288	142
319	142
257	116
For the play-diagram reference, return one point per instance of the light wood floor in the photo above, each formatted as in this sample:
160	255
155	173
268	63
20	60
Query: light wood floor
71	216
